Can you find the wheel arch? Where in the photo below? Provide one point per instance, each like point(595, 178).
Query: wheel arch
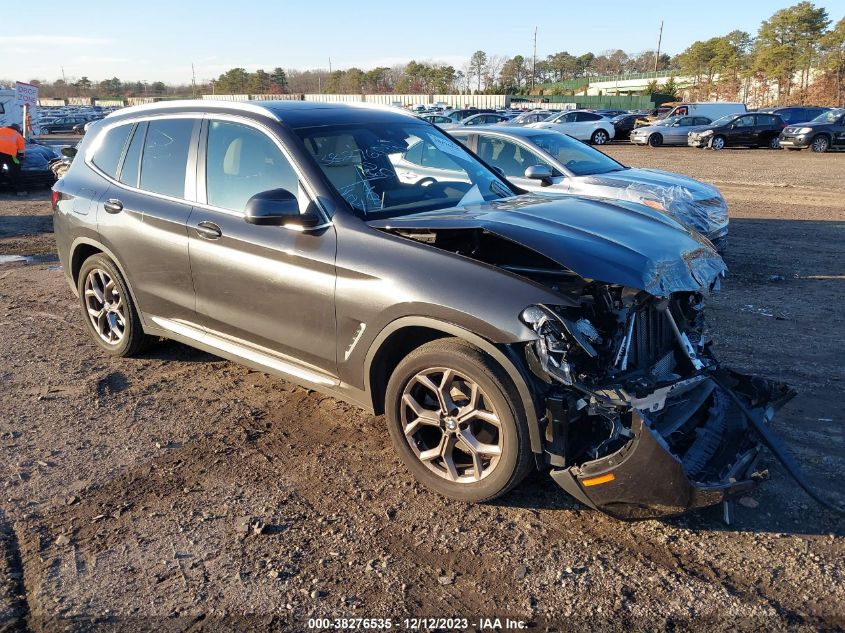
point(83, 248)
point(405, 334)
point(826, 135)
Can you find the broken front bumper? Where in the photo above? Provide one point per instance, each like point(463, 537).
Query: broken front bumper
point(645, 479)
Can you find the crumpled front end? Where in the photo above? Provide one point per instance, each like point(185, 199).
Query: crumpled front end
point(641, 422)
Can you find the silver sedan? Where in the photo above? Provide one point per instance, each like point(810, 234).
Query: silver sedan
point(671, 131)
point(548, 161)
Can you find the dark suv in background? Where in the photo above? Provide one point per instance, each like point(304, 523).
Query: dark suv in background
point(749, 130)
point(498, 331)
point(826, 131)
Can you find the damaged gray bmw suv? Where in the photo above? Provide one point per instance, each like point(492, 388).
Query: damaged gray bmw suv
point(363, 253)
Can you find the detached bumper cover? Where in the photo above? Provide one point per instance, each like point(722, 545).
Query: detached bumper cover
point(650, 481)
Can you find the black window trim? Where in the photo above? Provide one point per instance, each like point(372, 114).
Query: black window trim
point(136, 126)
point(190, 169)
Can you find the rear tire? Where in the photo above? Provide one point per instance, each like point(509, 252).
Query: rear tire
point(600, 137)
point(108, 310)
point(655, 140)
point(820, 144)
point(774, 142)
point(445, 398)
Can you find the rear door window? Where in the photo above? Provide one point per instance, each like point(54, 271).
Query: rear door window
point(511, 158)
point(107, 157)
point(165, 158)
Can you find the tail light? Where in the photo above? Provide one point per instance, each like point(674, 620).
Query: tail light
point(54, 199)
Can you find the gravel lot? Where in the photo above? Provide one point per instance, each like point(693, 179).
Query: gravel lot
point(178, 491)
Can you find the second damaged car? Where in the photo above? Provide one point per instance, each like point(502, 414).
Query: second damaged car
point(498, 331)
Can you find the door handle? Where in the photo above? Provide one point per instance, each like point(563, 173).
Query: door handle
point(209, 230)
point(113, 205)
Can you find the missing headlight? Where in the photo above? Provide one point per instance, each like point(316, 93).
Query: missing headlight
point(556, 335)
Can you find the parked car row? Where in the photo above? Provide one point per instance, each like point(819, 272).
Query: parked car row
point(769, 127)
point(68, 119)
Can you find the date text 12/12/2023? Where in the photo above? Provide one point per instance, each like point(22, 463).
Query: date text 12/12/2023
point(416, 624)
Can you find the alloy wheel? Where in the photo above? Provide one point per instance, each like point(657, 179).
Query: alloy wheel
point(717, 143)
point(820, 144)
point(600, 138)
point(774, 143)
point(106, 309)
point(450, 425)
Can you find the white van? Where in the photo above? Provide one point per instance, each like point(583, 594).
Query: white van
point(711, 109)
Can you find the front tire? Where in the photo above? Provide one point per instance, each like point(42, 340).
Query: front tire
point(717, 143)
point(600, 137)
point(109, 313)
point(655, 140)
point(456, 422)
point(820, 144)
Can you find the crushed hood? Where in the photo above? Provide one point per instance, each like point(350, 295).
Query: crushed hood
point(615, 242)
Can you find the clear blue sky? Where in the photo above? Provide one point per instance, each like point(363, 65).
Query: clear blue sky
point(154, 39)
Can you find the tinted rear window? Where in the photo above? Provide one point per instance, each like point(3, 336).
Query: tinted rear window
point(165, 157)
point(108, 156)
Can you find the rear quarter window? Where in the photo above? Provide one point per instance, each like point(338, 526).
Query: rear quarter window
point(107, 157)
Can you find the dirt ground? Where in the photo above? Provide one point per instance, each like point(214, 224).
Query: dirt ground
point(181, 492)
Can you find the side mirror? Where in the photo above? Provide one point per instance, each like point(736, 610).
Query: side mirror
point(542, 173)
point(277, 207)
point(70, 152)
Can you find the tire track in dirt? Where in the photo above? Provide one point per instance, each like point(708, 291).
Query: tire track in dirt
point(747, 589)
point(14, 607)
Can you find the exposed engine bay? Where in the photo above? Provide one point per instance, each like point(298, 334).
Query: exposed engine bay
point(637, 371)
